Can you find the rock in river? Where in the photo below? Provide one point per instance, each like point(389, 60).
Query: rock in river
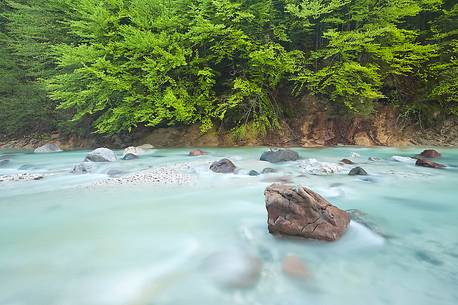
point(4, 162)
point(268, 170)
point(132, 152)
point(428, 163)
point(146, 146)
point(293, 267)
point(347, 161)
point(101, 155)
point(430, 153)
point(197, 152)
point(302, 212)
point(79, 169)
point(357, 171)
point(47, 148)
point(274, 156)
point(223, 166)
point(130, 156)
point(253, 173)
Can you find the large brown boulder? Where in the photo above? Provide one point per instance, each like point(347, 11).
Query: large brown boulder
point(430, 153)
point(428, 163)
point(302, 212)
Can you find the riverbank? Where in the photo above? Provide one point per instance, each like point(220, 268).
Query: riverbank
point(313, 126)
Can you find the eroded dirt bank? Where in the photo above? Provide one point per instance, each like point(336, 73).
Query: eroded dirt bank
point(312, 125)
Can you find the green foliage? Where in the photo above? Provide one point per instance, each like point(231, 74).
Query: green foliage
point(444, 72)
point(120, 64)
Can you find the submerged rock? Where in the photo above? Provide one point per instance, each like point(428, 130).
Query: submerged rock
point(197, 152)
point(268, 170)
point(253, 173)
point(223, 166)
point(374, 159)
point(47, 148)
point(281, 155)
point(357, 171)
point(430, 153)
point(4, 162)
point(79, 169)
point(347, 161)
point(362, 218)
point(314, 167)
point(293, 267)
point(428, 163)
point(101, 155)
point(130, 156)
point(233, 269)
point(302, 212)
point(114, 172)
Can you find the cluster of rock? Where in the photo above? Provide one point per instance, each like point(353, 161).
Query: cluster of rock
point(428, 153)
point(225, 166)
point(21, 177)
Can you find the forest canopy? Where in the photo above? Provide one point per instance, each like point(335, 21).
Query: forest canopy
point(120, 64)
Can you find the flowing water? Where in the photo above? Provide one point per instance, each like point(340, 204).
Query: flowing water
point(66, 240)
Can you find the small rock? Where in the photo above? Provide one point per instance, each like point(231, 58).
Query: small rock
point(101, 155)
point(428, 163)
point(223, 166)
point(26, 167)
point(347, 161)
point(48, 148)
point(234, 269)
point(357, 171)
point(281, 155)
point(4, 162)
point(132, 152)
point(374, 159)
point(130, 156)
point(197, 152)
point(253, 173)
point(114, 172)
point(268, 170)
point(80, 169)
point(146, 146)
point(293, 267)
point(302, 212)
point(430, 153)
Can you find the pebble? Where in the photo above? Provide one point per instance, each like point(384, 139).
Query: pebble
point(174, 174)
point(21, 177)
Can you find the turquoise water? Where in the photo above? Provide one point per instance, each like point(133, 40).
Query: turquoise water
point(65, 240)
